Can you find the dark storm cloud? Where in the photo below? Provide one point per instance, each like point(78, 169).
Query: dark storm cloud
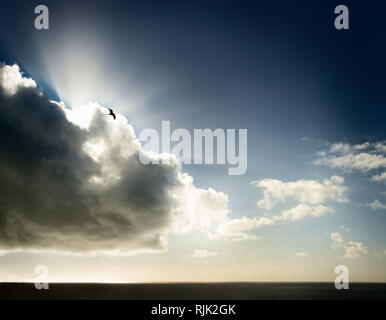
point(71, 181)
point(47, 200)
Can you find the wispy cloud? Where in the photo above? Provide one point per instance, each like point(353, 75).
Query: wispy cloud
point(302, 254)
point(376, 204)
point(236, 229)
point(203, 253)
point(352, 249)
point(311, 196)
point(367, 157)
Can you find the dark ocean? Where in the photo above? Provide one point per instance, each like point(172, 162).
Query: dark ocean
point(196, 291)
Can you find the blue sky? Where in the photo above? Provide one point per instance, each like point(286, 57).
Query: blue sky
point(279, 69)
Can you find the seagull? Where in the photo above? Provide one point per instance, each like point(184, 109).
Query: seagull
point(112, 113)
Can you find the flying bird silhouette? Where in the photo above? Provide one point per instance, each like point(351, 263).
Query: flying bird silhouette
point(112, 113)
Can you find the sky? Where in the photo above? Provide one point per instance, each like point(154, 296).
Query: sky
point(76, 199)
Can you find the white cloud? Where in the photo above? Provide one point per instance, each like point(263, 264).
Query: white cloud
point(207, 211)
point(379, 177)
point(337, 240)
point(366, 157)
point(236, 229)
point(11, 79)
point(311, 196)
point(380, 146)
point(302, 254)
point(202, 253)
point(355, 250)
point(304, 191)
point(376, 204)
point(303, 210)
point(352, 249)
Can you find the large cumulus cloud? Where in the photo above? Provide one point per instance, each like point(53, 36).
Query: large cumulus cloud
point(71, 181)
